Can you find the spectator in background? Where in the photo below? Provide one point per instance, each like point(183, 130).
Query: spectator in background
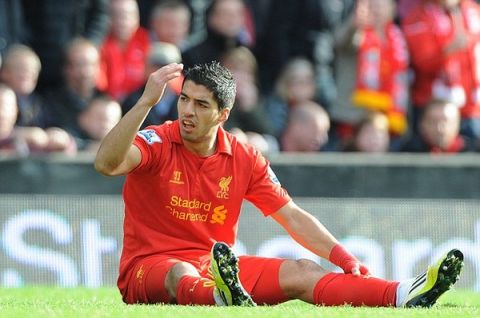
point(307, 129)
point(260, 12)
point(225, 30)
point(370, 135)
point(123, 54)
point(12, 24)
point(439, 131)
point(81, 70)
point(444, 40)
point(302, 28)
point(170, 23)
point(198, 24)
point(10, 142)
point(248, 118)
point(196, 8)
point(20, 72)
point(26, 140)
point(295, 85)
point(382, 64)
point(370, 43)
point(100, 116)
point(52, 24)
point(160, 55)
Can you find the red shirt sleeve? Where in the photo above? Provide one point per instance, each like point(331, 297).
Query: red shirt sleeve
point(264, 190)
point(151, 145)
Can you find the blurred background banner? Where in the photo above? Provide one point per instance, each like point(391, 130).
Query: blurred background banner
point(75, 240)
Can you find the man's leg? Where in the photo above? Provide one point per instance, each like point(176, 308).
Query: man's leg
point(163, 279)
point(185, 285)
point(147, 282)
point(273, 280)
point(259, 276)
point(306, 280)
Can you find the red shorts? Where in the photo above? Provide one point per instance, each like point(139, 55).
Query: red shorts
point(258, 275)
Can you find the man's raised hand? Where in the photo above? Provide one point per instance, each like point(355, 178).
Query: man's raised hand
point(157, 82)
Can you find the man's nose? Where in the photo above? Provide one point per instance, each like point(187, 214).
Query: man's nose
point(188, 108)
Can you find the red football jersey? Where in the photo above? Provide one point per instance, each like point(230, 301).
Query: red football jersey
point(179, 204)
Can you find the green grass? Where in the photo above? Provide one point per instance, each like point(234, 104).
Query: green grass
point(105, 302)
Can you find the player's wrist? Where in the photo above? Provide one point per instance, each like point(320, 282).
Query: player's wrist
point(340, 256)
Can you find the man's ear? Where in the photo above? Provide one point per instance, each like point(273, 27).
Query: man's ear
point(224, 114)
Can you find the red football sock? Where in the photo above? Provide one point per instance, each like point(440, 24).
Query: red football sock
point(338, 289)
point(193, 290)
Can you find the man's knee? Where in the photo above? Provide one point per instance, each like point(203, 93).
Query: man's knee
point(308, 269)
point(175, 274)
point(299, 277)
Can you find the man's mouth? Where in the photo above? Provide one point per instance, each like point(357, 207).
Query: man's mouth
point(187, 125)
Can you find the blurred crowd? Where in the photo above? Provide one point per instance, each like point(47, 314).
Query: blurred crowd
point(312, 75)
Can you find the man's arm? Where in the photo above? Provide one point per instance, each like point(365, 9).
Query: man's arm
point(117, 155)
point(311, 234)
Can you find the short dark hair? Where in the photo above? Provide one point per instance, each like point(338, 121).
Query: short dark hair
point(216, 78)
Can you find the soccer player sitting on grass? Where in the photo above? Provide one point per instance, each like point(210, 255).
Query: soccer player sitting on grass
point(185, 184)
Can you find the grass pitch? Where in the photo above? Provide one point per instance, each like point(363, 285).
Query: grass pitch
point(106, 302)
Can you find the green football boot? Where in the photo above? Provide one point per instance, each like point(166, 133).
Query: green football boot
point(438, 279)
point(224, 269)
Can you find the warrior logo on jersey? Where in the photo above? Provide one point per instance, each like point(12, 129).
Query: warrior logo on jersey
point(224, 184)
point(272, 176)
point(150, 136)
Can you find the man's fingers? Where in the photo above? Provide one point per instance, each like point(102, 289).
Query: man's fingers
point(360, 269)
point(173, 75)
point(169, 71)
point(173, 67)
point(364, 270)
point(356, 270)
point(160, 77)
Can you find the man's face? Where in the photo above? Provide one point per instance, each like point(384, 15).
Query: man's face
point(21, 74)
point(227, 17)
point(300, 86)
point(124, 19)
point(100, 118)
point(311, 134)
point(440, 125)
point(172, 26)
point(82, 67)
point(372, 138)
point(198, 113)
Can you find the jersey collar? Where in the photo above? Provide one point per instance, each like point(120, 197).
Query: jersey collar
point(223, 142)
